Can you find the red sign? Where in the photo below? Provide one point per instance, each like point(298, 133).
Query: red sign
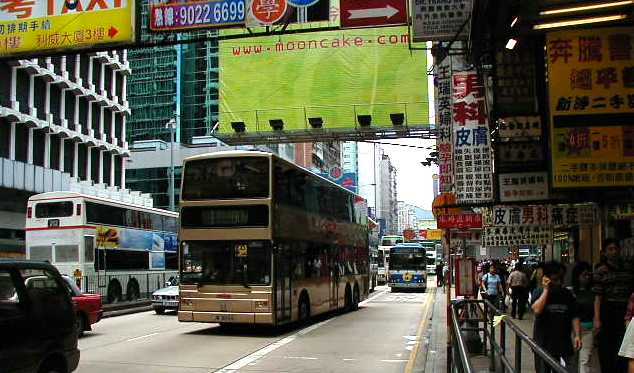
point(460, 221)
point(268, 12)
point(409, 234)
point(371, 13)
point(423, 233)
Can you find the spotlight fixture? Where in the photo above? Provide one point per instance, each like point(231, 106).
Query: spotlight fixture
point(397, 119)
point(239, 127)
point(276, 124)
point(316, 122)
point(364, 120)
point(511, 43)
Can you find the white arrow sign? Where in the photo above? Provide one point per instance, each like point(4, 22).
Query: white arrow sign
point(387, 12)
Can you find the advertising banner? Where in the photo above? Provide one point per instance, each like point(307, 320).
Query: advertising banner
point(442, 76)
point(472, 155)
point(348, 180)
point(331, 78)
point(60, 25)
point(435, 20)
point(541, 215)
point(525, 186)
point(135, 239)
point(591, 90)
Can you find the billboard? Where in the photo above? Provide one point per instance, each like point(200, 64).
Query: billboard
point(591, 91)
point(28, 27)
point(328, 80)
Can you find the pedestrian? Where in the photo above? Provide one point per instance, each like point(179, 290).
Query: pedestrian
point(627, 346)
point(536, 279)
point(439, 275)
point(582, 289)
point(556, 317)
point(518, 283)
point(491, 285)
point(613, 284)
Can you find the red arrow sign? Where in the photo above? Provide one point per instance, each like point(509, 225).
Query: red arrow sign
point(112, 32)
point(371, 13)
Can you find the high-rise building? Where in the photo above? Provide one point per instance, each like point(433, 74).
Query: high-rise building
point(387, 202)
point(174, 83)
point(318, 157)
point(407, 218)
point(435, 180)
point(62, 128)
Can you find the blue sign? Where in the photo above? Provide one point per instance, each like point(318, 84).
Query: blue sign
point(201, 14)
point(348, 180)
point(301, 3)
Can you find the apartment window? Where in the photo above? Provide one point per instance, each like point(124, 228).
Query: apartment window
point(40, 97)
point(5, 89)
point(69, 156)
point(82, 159)
point(38, 147)
point(54, 155)
point(69, 109)
point(107, 163)
point(5, 138)
point(107, 124)
point(94, 165)
point(117, 170)
point(95, 119)
point(84, 64)
point(21, 137)
point(54, 107)
point(83, 114)
point(22, 95)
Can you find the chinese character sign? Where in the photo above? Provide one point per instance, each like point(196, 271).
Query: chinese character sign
point(525, 186)
point(440, 20)
point(541, 215)
point(199, 14)
point(444, 146)
point(591, 73)
point(471, 140)
point(265, 12)
point(28, 26)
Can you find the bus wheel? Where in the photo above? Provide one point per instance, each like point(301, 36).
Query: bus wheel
point(304, 308)
point(132, 291)
point(114, 291)
point(355, 298)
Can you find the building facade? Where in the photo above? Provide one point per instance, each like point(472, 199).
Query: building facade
point(318, 157)
point(387, 202)
point(62, 127)
point(407, 218)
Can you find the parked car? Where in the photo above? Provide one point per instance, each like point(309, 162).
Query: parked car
point(37, 319)
point(88, 306)
point(166, 298)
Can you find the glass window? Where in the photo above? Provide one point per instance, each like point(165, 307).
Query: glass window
point(89, 249)
point(157, 221)
point(8, 294)
point(170, 224)
point(54, 209)
point(226, 178)
point(66, 253)
point(43, 253)
point(105, 214)
point(226, 262)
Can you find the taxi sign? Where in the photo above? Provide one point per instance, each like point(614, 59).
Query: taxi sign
point(59, 25)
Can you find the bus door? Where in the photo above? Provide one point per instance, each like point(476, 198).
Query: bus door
point(100, 266)
point(282, 284)
point(334, 281)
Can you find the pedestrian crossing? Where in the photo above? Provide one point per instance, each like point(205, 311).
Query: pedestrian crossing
point(389, 297)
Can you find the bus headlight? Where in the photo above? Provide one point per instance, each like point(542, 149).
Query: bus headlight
point(262, 305)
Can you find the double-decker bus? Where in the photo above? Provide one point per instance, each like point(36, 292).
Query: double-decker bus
point(121, 251)
point(432, 258)
point(264, 241)
point(373, 231)
point(408, 267)
point(384, 256)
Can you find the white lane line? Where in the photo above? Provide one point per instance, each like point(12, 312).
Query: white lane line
point(349, 359)
point(141, 337)
point(300, 357)
point(257, 355)
point(393, 361)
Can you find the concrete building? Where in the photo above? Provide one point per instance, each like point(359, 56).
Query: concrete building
point(407, 218)
point(387, 202)
point(318, 157)
point(62, 127)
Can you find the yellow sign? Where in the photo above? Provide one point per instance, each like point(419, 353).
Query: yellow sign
point(241, 251)
point(30, 26)
point(591, 92)
point(434, 234)
point(407, 276)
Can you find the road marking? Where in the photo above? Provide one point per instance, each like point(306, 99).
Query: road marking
point(141, 337)
point(257, 355)
point(300, 357)
point(393, 361)
point(349, 359)
point(421, 327)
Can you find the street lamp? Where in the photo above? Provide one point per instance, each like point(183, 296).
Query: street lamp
point(172, 127)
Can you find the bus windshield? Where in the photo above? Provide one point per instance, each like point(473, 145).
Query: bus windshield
point(408, 259)
point(226, 262)
point(226, 178)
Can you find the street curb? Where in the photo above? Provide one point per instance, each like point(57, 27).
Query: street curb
point(127, 311)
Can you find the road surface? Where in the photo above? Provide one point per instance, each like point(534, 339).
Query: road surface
point(382, 336)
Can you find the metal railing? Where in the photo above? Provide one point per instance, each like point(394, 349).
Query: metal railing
point(478, 316)
point(116, 287)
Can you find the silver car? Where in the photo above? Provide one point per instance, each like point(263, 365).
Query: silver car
point(166, 298)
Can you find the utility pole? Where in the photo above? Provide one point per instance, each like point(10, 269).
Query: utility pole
point(172, 127)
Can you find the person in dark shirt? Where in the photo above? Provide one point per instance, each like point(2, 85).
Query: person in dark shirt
point(613, 284)
point(582, 289)
point(439, 275)
point(556, 315)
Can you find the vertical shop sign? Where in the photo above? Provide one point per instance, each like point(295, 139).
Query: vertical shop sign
point(443, 120)
point(591, 90)
point(440, 20)
point(472, 156)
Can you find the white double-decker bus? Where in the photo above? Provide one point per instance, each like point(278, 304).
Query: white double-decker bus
point(121, 251)
point(387, 242)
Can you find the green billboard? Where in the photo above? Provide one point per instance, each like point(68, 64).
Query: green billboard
point(336, 80)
